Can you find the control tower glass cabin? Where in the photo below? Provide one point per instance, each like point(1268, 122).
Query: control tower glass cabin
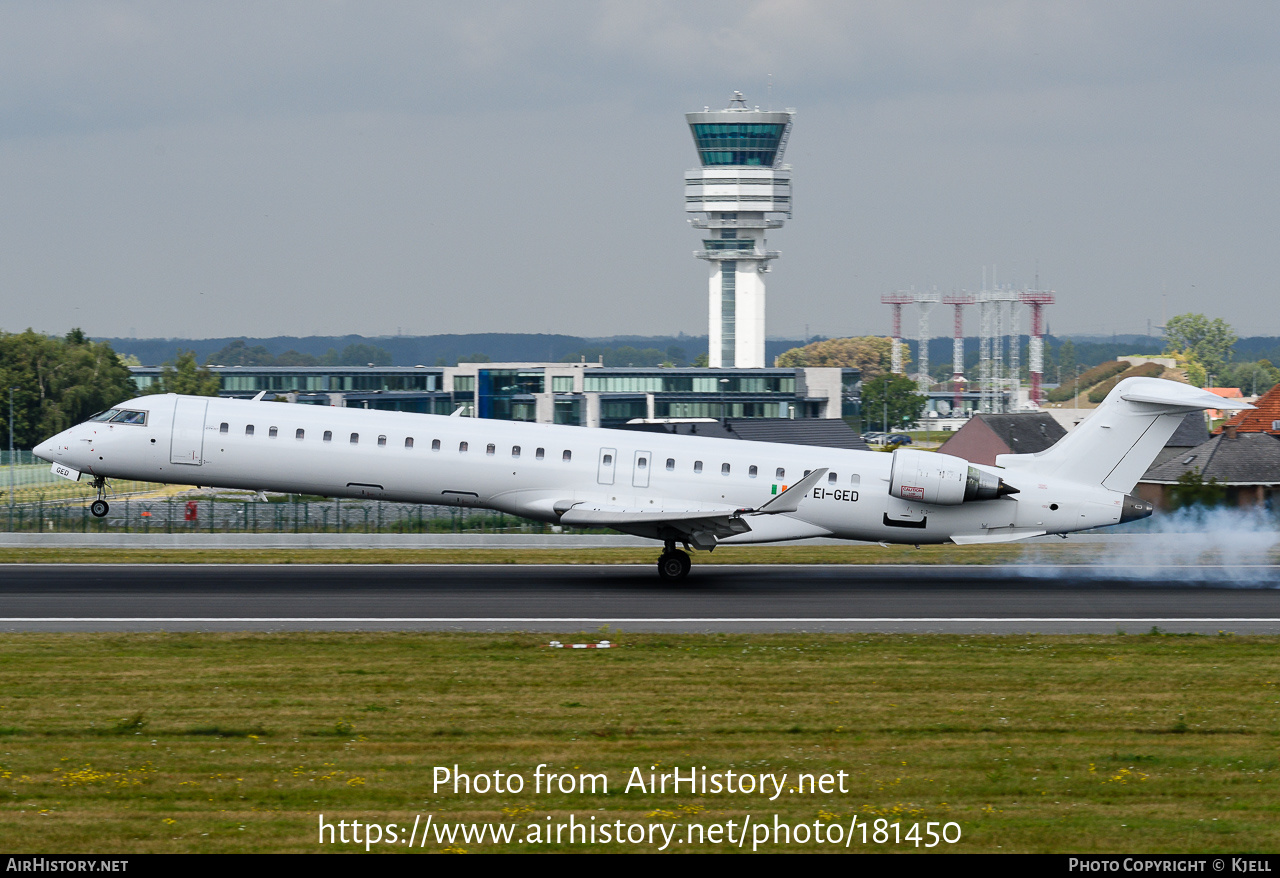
point(741, 190)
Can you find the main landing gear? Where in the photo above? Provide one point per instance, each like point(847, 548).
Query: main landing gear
point(674, 564)
point(100, 507)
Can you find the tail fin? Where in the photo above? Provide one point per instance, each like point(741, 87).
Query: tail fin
point(1115, 445)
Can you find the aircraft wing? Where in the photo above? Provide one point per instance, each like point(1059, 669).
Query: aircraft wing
point(1009, 536)
point(688, 519)
point(597, 515)
point(702, 526)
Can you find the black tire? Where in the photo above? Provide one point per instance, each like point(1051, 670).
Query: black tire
point(674, 566)
point(99, 508)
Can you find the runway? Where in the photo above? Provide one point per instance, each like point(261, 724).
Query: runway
point(566, 599)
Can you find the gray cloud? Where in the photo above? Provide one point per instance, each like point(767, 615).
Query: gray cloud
point(208, 169)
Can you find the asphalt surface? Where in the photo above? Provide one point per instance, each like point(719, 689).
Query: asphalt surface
point(566, 599)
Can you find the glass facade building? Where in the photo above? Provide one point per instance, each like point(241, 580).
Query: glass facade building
point(589, 395)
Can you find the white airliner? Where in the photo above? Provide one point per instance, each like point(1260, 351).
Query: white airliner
point(690, 490)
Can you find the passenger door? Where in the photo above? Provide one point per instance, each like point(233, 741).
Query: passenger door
point(186, 442)
point(640, 469)
point(608, 462)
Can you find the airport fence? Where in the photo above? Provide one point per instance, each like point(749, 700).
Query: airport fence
point(187, 514)
point(34, 499)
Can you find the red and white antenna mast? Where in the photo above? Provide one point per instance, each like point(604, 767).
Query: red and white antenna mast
point(1037, 299)
point(897, 300)
point(958, 301)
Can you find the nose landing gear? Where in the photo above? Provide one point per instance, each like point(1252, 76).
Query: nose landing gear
point(674, 564)
point(100, 507)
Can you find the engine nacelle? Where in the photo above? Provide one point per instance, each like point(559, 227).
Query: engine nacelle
point(941, 479)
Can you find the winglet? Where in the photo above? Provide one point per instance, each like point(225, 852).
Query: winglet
point(258, 398)
point(789, 500)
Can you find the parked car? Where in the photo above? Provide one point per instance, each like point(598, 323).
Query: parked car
point(897, 439)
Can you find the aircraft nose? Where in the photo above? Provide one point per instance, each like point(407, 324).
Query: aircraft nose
point(55, 447)
point(44, 450)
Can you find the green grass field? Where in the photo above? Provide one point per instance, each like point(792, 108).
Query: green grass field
point(237, 742)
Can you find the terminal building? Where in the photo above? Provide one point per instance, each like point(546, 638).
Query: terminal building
point(582, 394)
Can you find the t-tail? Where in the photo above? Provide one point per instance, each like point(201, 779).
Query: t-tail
point(1116, 444)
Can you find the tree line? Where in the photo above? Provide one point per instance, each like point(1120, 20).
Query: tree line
point(240, 353)
point(57, 382)
point(1203, 348)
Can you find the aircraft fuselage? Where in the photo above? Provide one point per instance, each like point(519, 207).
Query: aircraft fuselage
point(542, 472)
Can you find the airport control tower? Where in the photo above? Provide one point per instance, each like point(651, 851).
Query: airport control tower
point(742, 182)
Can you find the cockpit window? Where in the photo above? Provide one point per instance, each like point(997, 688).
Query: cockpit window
point(105, 416)
point(130, 417)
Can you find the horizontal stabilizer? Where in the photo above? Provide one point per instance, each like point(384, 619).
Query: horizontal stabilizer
point(1172, 393)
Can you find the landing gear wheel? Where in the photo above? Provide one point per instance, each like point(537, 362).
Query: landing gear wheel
point(99, 507)
point(674, 565)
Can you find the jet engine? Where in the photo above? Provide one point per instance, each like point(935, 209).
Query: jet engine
point(941, 479)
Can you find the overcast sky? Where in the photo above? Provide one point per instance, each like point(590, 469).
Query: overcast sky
point(209, 169)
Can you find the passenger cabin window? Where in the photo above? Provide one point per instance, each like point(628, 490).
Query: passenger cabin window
point(855, 479)
point(355, 438)
point(300, 434)
point(248, 429)
point(671, 464)
point(328, 435)
point(608, 460)
point(435, 444)
point(515, 450)
point(272, 432)
point(382, 441)
point(697, 466)
point(724, 469)
point(462, 447)
point(642, 463)
point(224, 427)
point(540, 454)
point(806, 473)
point(780, 474)
point(408, 442)
point(831, 478)
point(490, 449)
point(752, 471)
point(567, 456)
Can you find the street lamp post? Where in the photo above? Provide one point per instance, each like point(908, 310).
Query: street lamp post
point(724, 406)
point(12, 482)
point(1075, 397)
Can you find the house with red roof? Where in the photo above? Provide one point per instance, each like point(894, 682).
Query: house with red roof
point(1264, 417)
point(1225, 393)
point(1242, 457)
